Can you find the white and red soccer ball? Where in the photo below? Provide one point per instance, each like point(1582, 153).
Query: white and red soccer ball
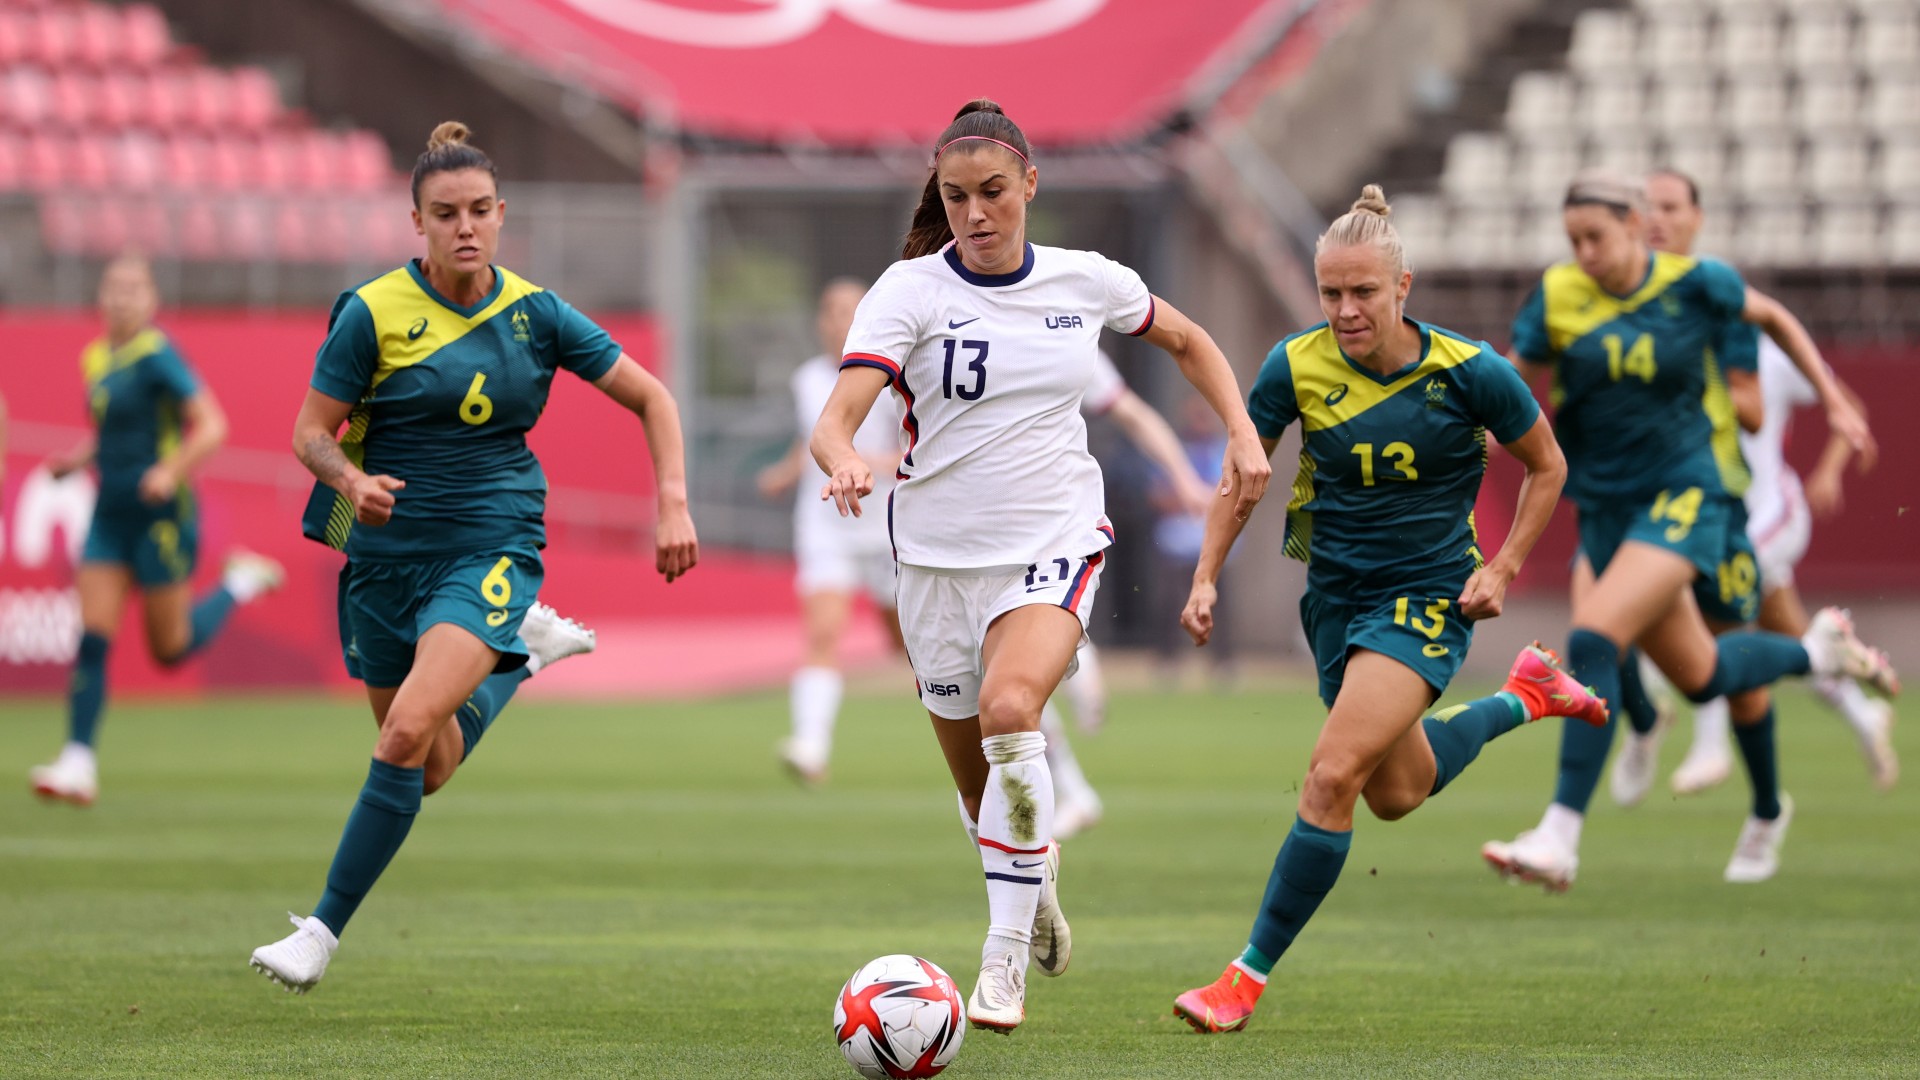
point(899, 1016)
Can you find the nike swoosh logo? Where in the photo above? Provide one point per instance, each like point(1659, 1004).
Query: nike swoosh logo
point(951, 325)
point(1028, 865)
point(1037, 588)
point(1046, 962)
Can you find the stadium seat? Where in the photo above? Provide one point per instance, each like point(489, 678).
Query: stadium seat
point(1901, 245)
point(1848, 234)
point(188, 164)
point(1828, 102)
point(1546, 166)
point(118, 103)
point(145, 40)
point(75, 93)
point(164, 100)
point(63, 223)
point(1421, 221)
point(1747, 41)
point(1703, 158)
point(1540, 239)
point(139, 164)
point(1839, 167)
point(1604, 42)
point(232, 164)
point(1889, 40)
point(208, 99)
point(1675, 39)
point(13, 167)
point(1897, 172)
point(255, 99)
point(1477, 167)
point(1756, 102)
point(50, 37)
point(1540, 101)
point(246, 229)
point(1684, 105)
point(1482, 237)
point(90, 164)
point(319, 154)
point(1893, 104)
point(197, 230)
point(13, 38)
point(295, 225)
point(1626, 152)
point(26, 97)
point(1820, 38)
point(45, 159)
point(365, 164)
point(1611, 104)
point(97, 37)
point(1766, 166)
point(109, 229)
point(1774, 235)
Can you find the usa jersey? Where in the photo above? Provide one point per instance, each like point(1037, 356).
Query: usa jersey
point(1776, 487)
point(817, 524)
point(1104, 389)
point(990, 371)
point(135, 395)
point(444, 396)
point(1390, 465)
point(1638, 382)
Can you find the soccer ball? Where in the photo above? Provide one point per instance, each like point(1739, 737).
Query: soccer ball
point(899, 1016)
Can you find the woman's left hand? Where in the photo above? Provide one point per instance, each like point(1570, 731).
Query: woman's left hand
point(1486, 593)
point(158, 484)
point(1846, 422)
point(675, 547)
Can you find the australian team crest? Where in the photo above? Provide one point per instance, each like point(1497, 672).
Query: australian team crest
point(522, 327)
point(1436, 393)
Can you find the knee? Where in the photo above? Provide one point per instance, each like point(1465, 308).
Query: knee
point(405, 739)
point(168, 655)
point(1333, 782)
point(1749, 708)
point(1010, 708)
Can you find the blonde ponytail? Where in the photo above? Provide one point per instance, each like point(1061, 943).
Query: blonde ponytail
point(1368, 222)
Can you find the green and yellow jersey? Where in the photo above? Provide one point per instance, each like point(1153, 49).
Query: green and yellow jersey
point(1640, 396)
point(443, 397)
point(136, 395)
point(1390, 465)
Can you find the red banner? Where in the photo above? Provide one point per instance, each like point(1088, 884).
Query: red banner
point(865, 72)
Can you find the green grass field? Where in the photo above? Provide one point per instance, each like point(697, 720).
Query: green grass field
point(635, 890)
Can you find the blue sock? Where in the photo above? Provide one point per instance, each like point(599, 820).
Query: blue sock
point(375, 830)
point(1633, 694)
point(209, 615)
point(491, 696)
point(1305, 870)
point(1751, 659)
point(87, 692)
point(1763, 764)
point(1583, 748)
point(1457, 734)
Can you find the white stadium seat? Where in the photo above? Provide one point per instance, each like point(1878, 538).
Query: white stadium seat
point(1682, 105)
point(1626, 152)
point(1747, 41)
point(1421, 221)
point(1675, 41)
point(1889, 39)
point(1481, 238)
point(1545, 166)
point(1897, 173)
point(1848, 234)
point(1756, 101)
point(1540, 101)
point(1477, 169)
point(1704, 159)
point(1820, 38)
point(1612, 103)
point(1828, 102)
point(1839, 167)
point(1766, 166)
point(1604, 41)
point(1893, 104)
point(1901, 245)
point(1773, 236)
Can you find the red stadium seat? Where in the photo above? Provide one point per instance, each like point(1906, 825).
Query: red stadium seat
point(75, 98)
point(118, 103)
point(247, 232)
point(365, 164)
point(207, 101)
point(331, 232)
point(51, 35)
point(139, 164)
point(97, 37)
point(255, 99)
point(145, 41)
point(109, 229)
point(163, 100)
point(13, 166)
point(90, 167)
point(47, 157)
point(294, 230)
point(319, 161)
point(149, 226)
point(63, 223)
point(197, 232)
point(13, 38)
point(26, 97)
point(188, 164)
point(232, 164)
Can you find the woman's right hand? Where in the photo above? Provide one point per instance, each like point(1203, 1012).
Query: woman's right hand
point(1197, 618)
point(850, 480)
point(372, 498)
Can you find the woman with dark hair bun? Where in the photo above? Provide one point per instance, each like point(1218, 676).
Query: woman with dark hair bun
point(997, 515)
point(437, 371)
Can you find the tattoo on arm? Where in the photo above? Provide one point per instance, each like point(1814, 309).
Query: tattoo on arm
point(324, 459)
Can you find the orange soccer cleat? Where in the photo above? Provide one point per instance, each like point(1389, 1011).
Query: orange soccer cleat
point(1226, 1004)
point(1546, 689)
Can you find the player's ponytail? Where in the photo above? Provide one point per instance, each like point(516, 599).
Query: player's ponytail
point(1367, 223)
point(448, 151)
point(981, 122)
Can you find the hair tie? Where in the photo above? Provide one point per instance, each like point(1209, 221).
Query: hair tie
point(983, 138)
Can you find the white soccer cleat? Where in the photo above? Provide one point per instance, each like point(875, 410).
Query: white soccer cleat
point(1633, 769)
point(298, 960)
point(1757, 856)
point(999, 1000)
point(1836, 651)
point(1075, 815)
point(551, 637)
point(1052, 938)
point(1701, 770)
point(72, 777)
point(1876, 742)
point(1533, 857)
point(249, 575)
point(805, 762)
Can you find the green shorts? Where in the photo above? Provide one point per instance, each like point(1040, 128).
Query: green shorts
point(1731, 594)
point(1685, 521)
point(160, 544)
point(1422, 632)
point(386, 606)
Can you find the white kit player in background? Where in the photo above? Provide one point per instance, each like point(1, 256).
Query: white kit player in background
point(1780, 513)
point(998, 515)
point(836, 557)
point(1077, 806)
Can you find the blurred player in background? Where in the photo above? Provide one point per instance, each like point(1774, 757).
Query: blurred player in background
point(1779, 513)
point(836, 557)
point(154, 423)
point(998, 512)
point(1394, 416)
point(440, 506)
point(1629, 335)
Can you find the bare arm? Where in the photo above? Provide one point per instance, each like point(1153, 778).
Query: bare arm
point(1223, 528)
point(1781, 325)
point(315, 444)
point(1150, 433)
point(1245, 470)
point(676, 548)
point(1825, 485)
point(206, 425)
point(776, 479)
point(1486, 591)
point(75, 459)
point(848, 474)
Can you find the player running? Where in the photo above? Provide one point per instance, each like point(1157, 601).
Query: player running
point(989, 342)
point(1629, 334)
point(1779, 522)
point(1394, 416)
point(438, 370)
point(155, 422)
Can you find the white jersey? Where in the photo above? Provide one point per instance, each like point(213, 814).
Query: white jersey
point(991, 371)
point(1776, 487)
point(817, 525)
point(1104, 389)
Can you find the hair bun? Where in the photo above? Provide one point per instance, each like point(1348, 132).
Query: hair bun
point(448, 133)
point(1372, 200)
point(980, 105)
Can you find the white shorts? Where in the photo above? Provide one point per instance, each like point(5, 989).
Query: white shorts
point(1782, 543)
point(831, 570)
point(944, 615)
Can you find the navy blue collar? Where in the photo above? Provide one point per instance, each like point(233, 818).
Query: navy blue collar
point(989, 280)
point(420, 279)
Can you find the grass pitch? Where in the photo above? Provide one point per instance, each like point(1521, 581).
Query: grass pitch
point(636, 890)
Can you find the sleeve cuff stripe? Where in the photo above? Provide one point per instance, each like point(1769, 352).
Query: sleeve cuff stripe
point(871, 360)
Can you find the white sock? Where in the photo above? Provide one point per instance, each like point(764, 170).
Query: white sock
point(1563, 823)
point(242, 586)
point(1241, 966)
point(1712, 730)
point(1087, 690)
point(1847, 699)
point(77, 753)
point(815, 699)
point(1016, 827)
point(1069, 783)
